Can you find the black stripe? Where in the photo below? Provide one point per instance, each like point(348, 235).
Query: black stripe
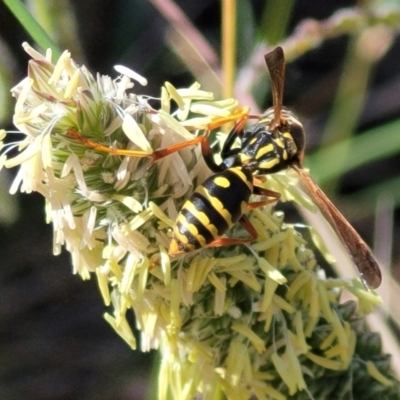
point(185, 232)
point(192, 219)
point(232, 196)
point(204, 204)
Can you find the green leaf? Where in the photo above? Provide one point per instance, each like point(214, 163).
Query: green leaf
point(31, 26)
point(372, 145)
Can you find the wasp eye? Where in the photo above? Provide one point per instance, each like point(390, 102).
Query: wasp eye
point(298, 135)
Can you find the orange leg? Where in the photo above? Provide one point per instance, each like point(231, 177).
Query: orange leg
point(241, 114)
point(258, 204)
point(176, 147)
point(263, 192)
point(259, 179)
point(156, 155)
point(245, 222)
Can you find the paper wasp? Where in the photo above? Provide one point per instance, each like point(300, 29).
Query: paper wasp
point(274, 143)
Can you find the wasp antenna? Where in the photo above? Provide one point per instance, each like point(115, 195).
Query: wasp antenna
point(275, 61)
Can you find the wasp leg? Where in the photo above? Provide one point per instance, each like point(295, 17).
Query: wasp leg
point(275, 196)
point(245, 222)
point(115, 152)
point(208, 156)
point(241, 116)
point(156, 155)
point(240, 113)
point(236, 131)
point(259, 179)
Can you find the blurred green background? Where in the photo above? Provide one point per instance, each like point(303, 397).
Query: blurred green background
point(342, 79)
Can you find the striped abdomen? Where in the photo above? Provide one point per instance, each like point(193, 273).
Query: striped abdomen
point(214, 207)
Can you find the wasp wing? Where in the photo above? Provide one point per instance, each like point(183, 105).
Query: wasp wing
point(359, 251)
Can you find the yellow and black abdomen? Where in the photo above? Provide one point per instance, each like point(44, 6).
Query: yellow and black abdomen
point(214, 207)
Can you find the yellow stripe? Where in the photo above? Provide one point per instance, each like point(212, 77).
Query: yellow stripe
point(204, 220)
point(280, 143)
point(181, 219)
point(287, 135)
point(264, 150)
point(244, 158)
point(181, 238)
point(269, 164)
point(221, 181)
point(242, 177)
point(218, 206)
point(191, 228)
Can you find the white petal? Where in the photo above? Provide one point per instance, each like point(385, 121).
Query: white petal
point(32, 52)
point(195, 94)
point(131, 74)
point(72, 86)
point(3, 158)
point(113, 126)
point(129, 202)
point(134, 242)
point(47, 152)
point(172, 123)
point(49, 55)
point(198, 122)
point(22, 95)
point(28, 153)
point(73, 163)
point(173, 92)
point(59, 67)
point(17, 180)
point(90, 219)
point(206, 109)
point(135, 134)
point(165, 100)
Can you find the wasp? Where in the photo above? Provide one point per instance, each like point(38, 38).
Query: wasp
point(271, 145)
point(276, 142)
